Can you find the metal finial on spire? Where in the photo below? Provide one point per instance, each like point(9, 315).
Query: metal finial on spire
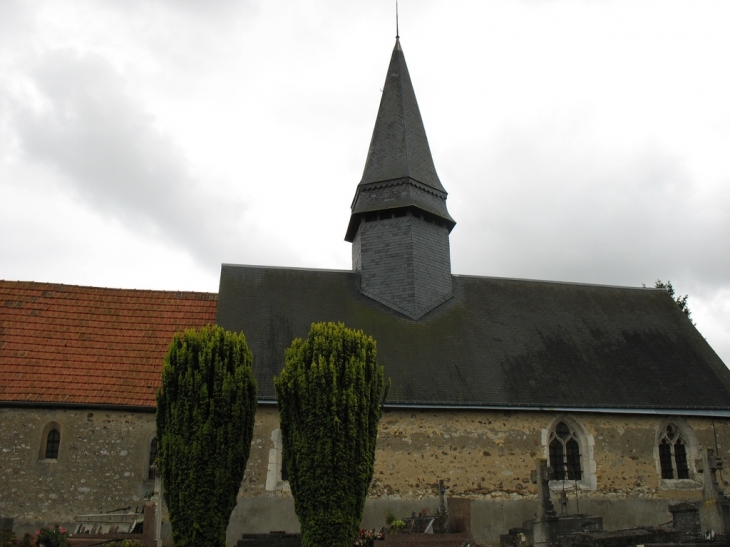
point(397, 33)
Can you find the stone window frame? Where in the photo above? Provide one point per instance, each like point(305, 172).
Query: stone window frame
point(50, 426)
point(694, 482)
point(142, 457)
point(588, 480)
point(567, 443)
point(273, 474)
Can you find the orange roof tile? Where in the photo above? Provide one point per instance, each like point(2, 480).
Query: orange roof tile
point(88, 345)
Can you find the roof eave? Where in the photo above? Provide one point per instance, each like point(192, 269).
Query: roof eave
point(77, 406)
point(702, 412)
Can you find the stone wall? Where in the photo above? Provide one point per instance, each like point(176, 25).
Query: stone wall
point(488, 456)
point(102, 464)
point(483, 455)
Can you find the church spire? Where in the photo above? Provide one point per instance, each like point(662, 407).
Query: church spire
point(399, 147)
point(399, 151)
point(399, 226)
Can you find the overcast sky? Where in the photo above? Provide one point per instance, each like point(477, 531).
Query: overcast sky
point(143, 143)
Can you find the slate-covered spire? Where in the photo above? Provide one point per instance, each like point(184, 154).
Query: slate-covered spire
point(399, 147)
point(399, 153)
point(399, 225)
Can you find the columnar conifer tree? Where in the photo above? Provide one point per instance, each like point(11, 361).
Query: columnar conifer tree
point(205, 417)
point(329, 396)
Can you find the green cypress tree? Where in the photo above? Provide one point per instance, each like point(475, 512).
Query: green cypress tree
point(205, 416)
point(329, 396)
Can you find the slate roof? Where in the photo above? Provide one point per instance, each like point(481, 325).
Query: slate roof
point(92, 346)
point(399, 147)
point(496, 343)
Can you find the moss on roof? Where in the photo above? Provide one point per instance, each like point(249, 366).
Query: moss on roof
point(497, 342)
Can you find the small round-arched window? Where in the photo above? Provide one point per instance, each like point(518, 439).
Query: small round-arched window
point(53, 443)
point(565, 453)
point(673, 453)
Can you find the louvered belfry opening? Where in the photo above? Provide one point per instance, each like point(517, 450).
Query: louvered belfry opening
point(399, 226)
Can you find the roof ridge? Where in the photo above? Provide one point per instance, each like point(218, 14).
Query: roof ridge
point(296, 268)
point(554, 282)
point(38, 284)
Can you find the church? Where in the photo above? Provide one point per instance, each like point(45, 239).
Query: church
point(613, 385)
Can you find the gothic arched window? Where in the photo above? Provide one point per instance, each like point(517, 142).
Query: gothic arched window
point(564, 450)
point(673, 453)
point(153, 457)
point(53, 443)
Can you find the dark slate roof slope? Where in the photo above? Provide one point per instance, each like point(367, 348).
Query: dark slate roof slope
point(498, 342)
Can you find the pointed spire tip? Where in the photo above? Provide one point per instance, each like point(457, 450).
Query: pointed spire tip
point(397, 32)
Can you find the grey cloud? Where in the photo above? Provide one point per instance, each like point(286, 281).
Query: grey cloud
point(218, 11)
point(105, 147)
point(15, 18)
point(590, 215)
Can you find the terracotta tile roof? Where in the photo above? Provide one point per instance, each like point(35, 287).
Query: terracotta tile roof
point(88, 345)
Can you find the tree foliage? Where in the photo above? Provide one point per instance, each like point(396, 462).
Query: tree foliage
point(329, 396)
point(681, 301)
point(205, 417)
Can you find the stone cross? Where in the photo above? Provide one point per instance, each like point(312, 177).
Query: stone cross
point(714, 509)
point(542, 476)
point(709, 465)
point(442, 501)
point(157, 498)
point(563, 503)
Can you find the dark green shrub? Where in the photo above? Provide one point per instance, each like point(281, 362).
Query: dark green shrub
point(7, 538)
point(54, 536)
point(329, 396)
point(205, 417)
point(124, 543)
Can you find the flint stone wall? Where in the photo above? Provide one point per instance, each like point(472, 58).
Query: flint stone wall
point(101, 466)
point(483, 455)
point(488, 456)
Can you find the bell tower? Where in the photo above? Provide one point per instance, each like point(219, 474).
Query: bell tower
point(399, 225)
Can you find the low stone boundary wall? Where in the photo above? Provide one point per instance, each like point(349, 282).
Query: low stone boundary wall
point(87, 540)
point(427, 540)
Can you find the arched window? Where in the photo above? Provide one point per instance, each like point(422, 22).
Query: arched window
point(673, 453)
point(153, 457)
point(53, 443)
point(565, 453)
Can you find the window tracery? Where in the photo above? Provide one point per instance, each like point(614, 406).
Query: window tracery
point(673, 453)
point(564, 450)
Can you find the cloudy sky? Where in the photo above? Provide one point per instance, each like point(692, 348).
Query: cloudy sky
point(143, 143)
